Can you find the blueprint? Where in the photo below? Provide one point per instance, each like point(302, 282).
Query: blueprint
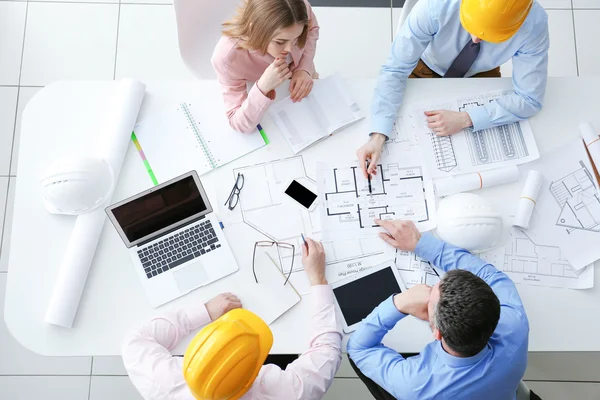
point(568, 208)
point(349, 209)
point(469, 150)
point(275, 217)
point(529, 261)
point(415, 270)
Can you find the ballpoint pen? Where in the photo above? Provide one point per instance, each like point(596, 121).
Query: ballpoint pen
point(369, 178)
point(304, 240)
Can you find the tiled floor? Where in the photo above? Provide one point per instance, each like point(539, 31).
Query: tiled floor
point(43, 41)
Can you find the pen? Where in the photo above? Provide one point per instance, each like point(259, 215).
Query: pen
point(369, 178)
point(304, 240)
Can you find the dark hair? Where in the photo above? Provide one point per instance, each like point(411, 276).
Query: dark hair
point(467, 313)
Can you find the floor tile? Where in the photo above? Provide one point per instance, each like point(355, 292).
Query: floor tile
point(8, 214)
point(69, 41)
point(559, 366)
point(565, 390)
point(12, 30)
point(16, 360)
point(562, 60)
point(555, 4)
point(80, 1)
point(113, 388)
point(595, 4)
point(25, 94)
point(148, 48)
point(44, 387)
point(345, 370)
point(347, 388)
point(146, 1)
point(3, 200)
point(345, 48)
point(8, 108)
point(108, 366)
point(587, 30)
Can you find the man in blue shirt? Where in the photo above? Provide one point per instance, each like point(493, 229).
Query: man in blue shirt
point(463, 38)
point(477, 319)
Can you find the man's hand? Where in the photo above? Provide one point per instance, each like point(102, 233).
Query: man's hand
point(313, 259)
point(445, 123)
point(402, 235)
point(414, 301)
point(301, 85)
point(222, 304)
point(371, 151)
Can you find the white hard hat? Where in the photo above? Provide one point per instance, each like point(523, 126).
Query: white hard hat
point(76, 185)
point(469, 221)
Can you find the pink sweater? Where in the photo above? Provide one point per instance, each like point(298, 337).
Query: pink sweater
point(236, 66)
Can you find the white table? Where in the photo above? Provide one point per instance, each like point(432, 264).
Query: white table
point(113, 301)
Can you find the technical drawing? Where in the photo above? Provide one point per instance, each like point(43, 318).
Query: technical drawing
point(500, 143)
point(415, 270)
point(530, 262)
point(396, 193)
point(577, 196)
point(443, 152)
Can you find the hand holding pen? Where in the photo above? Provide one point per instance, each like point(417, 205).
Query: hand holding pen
point(313, 259)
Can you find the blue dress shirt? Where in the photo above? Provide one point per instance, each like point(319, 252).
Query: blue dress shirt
point(433, 32)
point(493, 373)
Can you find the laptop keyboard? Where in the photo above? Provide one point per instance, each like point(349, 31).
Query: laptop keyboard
point(178, 248)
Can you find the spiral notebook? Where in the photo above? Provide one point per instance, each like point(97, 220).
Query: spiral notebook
point(191, 136)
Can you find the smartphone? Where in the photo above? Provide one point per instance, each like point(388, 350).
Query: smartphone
point(301, 195)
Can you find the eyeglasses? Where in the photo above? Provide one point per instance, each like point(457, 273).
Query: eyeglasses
point(234, 196)
point(280, 246)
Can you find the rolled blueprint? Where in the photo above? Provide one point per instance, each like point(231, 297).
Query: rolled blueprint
point(592, 142)
point(112, 147)
point(529, 197)
point(477, 180)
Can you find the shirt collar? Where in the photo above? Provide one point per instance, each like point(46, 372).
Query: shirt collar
point(453, 361)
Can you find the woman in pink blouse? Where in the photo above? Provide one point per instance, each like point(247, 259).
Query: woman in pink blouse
point(267, 42)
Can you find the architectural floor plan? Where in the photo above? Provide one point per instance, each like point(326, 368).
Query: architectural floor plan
point(469, 150)
point(348, 206)
point(531, 262)
point(415, 270)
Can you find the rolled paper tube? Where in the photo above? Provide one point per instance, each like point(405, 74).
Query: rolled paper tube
point(477, 180)
point(528, 200)
point(77, 261)
point(592, 142)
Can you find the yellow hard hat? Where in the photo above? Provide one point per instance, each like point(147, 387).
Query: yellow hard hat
point(224, 358)
point(494, 20)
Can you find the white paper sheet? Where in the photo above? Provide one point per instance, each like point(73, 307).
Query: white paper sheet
point(477, 180)
point(471, 151)
point(112, 146)
point(531, 262)
point(529, 198)
point(568, 208)
point(328, 108)
point(591, 137)
point(414, 270)
point(192, 136)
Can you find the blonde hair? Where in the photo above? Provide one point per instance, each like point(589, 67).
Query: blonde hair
point(257, 21)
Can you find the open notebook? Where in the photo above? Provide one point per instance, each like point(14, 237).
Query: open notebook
point(328, 108)
point(269, 298)
point(191, 136)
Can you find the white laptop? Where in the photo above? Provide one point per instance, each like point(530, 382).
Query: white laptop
point(174, 239)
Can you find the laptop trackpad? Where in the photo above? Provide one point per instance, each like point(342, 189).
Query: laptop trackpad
point(190, 277)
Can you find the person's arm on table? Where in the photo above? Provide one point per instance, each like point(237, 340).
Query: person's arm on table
point(147, 352)
point(302, 78)
point(312, 373)
point(530, 73)
point(407, 48)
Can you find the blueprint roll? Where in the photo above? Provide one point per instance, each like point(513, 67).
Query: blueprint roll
point(529, 197)
point(476, 180)
point(592, 142)
point(111, 146)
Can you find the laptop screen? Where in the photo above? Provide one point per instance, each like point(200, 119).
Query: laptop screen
point(159, 209)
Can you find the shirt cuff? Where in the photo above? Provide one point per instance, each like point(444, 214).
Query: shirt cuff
point(480, 118)
point(258, 99)
point(322, 295)
point(389, 314)
point(198, 317)
point(428, 247)
point(381, 125)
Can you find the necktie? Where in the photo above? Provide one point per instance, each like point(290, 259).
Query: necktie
point(464, 60)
